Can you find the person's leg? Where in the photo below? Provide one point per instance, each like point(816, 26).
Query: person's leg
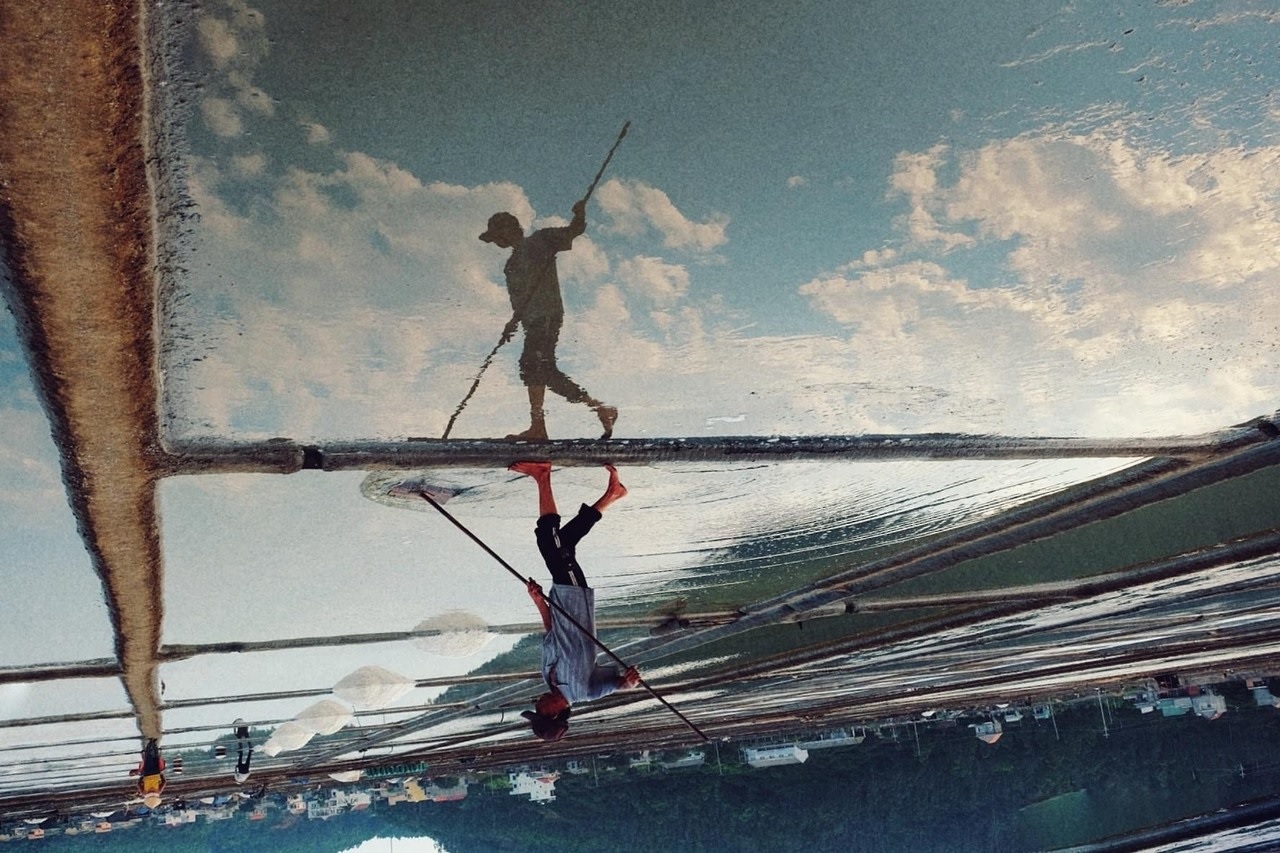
point(547, 530)
point(537, 353)
point(540, 473)
point(538, 368)
point(612, 492)
point(573, 532)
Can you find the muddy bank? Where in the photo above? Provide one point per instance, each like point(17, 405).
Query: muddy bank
point(75, 221)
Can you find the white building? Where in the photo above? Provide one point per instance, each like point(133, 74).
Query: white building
point(692, 758)
point(539, 785)
point(1211, 706)
point(773, 756)
point(988, 732)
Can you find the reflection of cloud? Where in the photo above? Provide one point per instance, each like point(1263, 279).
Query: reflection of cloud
point(221, 117)
point(654, 278)
point(30, 479)
point(233, 36)
point(316, 133)
point(249, 165)
point(1054, 51)
point(914, 175)
point(636, 207)
point(1127, 264)
point(366, 283)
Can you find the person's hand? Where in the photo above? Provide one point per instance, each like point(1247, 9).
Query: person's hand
point(509, 330)
point(534, 590)
point(630, 678)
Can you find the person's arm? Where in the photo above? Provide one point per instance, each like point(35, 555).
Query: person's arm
point(579, 222)
point(606, 679)
point(540, 602)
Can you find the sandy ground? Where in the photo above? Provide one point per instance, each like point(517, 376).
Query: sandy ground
point(76, 223)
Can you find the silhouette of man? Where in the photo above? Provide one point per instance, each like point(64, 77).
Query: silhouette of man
point(568, 654)
point(534, 289)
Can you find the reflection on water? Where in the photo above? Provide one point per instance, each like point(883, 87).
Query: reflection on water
point(999, 218)
point(1068, 231)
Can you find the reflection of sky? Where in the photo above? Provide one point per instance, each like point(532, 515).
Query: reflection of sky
point(991, 217)
point(257, 557)
point(47, 574)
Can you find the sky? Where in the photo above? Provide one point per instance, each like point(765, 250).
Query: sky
point(1042, 218)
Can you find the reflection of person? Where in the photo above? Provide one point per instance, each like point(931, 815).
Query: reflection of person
point(150, 773)
point(568, 654)
point(244, 751)
point(534, 289)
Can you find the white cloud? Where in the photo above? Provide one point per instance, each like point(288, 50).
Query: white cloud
point(232, 35)
point(217, 40)
point(796, 181)
point(221, 117)
point(635, 207)
point(316, 133)
point(914, 176)
point(1137, 278)
point(654, 278)
point(249, 165)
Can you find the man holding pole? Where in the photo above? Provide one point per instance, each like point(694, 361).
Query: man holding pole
point(534, 289)
point(568, 649)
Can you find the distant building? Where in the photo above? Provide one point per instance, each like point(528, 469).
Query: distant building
point(692, 758)
point(835, 737)
point(1209, 705)
point(1262, 693)
point(451, 794)
point(774, 756)
point(1174, 706)
point(337, 802)
point(988, 732)
point(540, 785)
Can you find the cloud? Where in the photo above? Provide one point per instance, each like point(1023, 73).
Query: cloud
point(654, 278)
point(232, 36)
point(635, 207)
point(316, 133)
point(796, 181)
point(1056, 50)
point(915, 176)
point(221, 117)
point(31, 491)
point(1130, 282)
point(249, 165)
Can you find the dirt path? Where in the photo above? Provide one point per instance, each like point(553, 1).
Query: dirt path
point(76, 224)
